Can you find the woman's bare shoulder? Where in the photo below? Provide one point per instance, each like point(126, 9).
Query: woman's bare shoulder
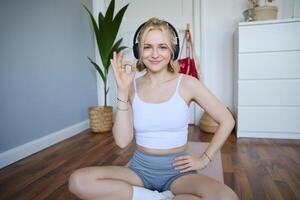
point(190, 82)
point(185, 88)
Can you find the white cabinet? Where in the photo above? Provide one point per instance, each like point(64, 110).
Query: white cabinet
point(267, 79)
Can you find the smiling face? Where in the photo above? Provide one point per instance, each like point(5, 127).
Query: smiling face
point(155, 51)
point(156, 43)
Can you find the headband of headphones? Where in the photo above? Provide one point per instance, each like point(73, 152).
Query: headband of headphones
point(136, 46)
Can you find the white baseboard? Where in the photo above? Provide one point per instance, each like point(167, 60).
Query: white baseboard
point(10, 156)
point(268, 135)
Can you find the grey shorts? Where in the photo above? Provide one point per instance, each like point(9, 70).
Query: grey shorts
point(156, 171)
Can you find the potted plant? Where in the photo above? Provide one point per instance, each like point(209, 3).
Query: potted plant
point(257, 12)
point(266, 12)
point(105, 32)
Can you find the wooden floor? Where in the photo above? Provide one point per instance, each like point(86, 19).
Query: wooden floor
point(255, 168)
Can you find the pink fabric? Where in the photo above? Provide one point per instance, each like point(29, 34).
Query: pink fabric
point(214, 169)
point(188, 66)
point(187, 62)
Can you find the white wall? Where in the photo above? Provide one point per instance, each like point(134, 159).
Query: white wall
point(219, 21)
point(46, 81)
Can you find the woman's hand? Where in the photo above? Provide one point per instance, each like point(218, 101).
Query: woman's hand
point(123, 78)
point(188, 163)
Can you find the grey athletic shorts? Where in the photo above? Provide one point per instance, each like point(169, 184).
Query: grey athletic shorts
point(156, 171)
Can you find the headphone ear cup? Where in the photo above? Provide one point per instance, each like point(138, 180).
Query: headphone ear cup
point(135, 49)
point(176, 52)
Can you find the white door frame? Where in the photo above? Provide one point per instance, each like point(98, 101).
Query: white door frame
point(98, 6)
point(198, 14)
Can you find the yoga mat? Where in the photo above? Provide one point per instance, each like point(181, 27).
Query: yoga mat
point(214, 169)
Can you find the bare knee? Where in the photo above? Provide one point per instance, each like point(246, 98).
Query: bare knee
point(219, 192)
point(78, 183)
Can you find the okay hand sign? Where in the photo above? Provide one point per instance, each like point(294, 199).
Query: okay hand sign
point(123, 78)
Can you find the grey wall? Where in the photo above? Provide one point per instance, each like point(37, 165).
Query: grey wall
point(46, 81)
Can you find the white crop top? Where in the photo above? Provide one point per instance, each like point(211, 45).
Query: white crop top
point(161, 125)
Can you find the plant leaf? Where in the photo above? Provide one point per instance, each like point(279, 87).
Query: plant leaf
point(99, 40)
point(98, 69)
point(106, 33)
point(100, 20)
point(117, 44)
point(110, 56)
point(110, 11)
point(112, 27)
point(117, 21)
point(115, 48)
point(121, 48)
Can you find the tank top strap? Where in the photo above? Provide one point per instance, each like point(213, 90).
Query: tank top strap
point(178, 82)
point(134, 85)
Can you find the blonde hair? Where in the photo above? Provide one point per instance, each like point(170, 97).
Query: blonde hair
point(163, 26)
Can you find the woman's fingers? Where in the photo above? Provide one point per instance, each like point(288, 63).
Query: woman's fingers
point(126, 65)
point(115, 63)
point(133, 70)
point(182, 167)
point(181, 158)
point(120, 66)
point(134, 67)
point(113, 66)
point(182, 163)
point(115, 57)
point(178, 163)
point(120, 60)
point(186, 170)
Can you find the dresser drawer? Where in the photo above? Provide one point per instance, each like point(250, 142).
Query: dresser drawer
point(269, 119)
point(269, 92)
point(269, 65)
point(269, 37)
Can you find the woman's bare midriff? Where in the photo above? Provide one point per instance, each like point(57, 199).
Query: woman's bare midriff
point(161, 151)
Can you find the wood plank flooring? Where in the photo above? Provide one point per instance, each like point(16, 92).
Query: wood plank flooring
point(265, 169)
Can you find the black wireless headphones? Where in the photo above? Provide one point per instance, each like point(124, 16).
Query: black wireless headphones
point(136, 45)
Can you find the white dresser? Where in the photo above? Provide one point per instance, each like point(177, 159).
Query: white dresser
point(267, 79)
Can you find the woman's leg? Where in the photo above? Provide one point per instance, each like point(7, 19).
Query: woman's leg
point(186, 197)
point(105, 182)
point(202, 187)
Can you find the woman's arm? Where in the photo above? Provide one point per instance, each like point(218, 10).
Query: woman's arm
point(210, 103)
point(123, 126)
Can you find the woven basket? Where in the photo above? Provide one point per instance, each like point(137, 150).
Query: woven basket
point(265, 13)
point(208, 124)
point(101, 118)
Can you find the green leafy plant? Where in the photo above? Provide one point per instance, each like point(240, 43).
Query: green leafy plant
point(106, 32)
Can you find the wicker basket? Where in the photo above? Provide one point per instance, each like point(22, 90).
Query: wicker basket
point(265, 13)
point(208, 124)
point(101, 118)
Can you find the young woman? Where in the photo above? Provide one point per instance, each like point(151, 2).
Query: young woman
point(154, 110)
